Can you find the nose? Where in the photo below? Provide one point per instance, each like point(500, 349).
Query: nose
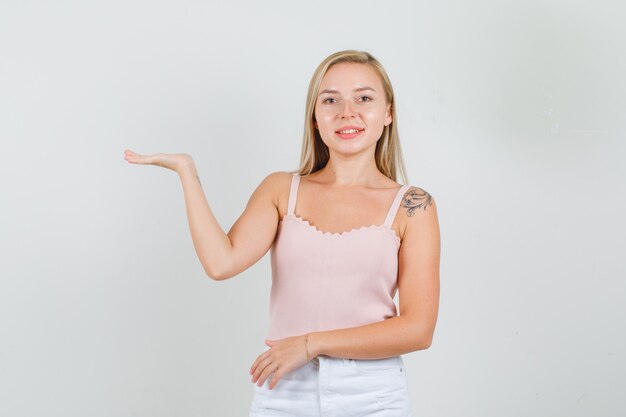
point(347, 109)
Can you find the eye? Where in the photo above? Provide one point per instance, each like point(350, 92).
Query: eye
point(367, 97)
point(324, 101)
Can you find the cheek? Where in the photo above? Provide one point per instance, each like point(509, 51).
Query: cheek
point(374, 115)
point(324, 120)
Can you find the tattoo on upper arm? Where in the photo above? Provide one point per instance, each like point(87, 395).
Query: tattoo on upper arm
point(416, 198)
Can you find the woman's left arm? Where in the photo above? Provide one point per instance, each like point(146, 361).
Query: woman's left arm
point(418, 289)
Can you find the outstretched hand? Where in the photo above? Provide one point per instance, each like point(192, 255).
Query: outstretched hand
point(165, 160)
point(284, 356)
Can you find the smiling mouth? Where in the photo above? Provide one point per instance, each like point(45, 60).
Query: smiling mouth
point(349, 135)
point(349, 131)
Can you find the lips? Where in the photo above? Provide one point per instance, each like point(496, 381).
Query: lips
point(349, 128)
point(349, 135)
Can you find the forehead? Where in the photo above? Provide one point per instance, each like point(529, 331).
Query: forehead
point(346, 76)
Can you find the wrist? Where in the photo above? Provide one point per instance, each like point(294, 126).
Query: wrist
point(313, 344)
point(186, 167)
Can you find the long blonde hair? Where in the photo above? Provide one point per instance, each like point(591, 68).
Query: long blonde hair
point(315, 155)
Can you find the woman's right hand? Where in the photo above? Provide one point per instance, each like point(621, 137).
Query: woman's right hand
point(173, 161)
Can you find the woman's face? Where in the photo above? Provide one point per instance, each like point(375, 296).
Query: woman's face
point(351, 94)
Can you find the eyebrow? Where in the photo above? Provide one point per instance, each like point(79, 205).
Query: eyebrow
point(355, 90)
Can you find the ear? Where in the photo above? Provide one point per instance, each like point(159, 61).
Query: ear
point(388, 117)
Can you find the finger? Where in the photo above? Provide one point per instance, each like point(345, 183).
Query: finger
point(254, 365)
point(139, 159)
point(260, 368)
point(257, 362)
point(129, 154)
point(265, 368)
point(265, 374)
point(275, 377)
point(136, 160)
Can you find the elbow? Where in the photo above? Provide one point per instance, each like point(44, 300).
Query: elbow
point(424, 341)
point(422, 345)
point(218, 266)
point(212, 269)
point(216, 275)
point(421, 335)
point(213, 276)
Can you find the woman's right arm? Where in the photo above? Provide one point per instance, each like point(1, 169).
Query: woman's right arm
point(223, 255)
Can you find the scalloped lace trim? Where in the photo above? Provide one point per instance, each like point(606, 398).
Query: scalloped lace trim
point(321, 232)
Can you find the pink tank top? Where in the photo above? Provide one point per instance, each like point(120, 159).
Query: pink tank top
point(325, 281)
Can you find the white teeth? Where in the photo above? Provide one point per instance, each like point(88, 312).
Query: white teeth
point(344, 132)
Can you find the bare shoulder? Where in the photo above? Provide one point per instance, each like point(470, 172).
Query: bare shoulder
point(274, 184)
point(277, 179)
point(418, 209)
point(417, 200)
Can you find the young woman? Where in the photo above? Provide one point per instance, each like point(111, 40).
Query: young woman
point(344, 236)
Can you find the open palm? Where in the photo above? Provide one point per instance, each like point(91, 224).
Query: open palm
point(165, 160)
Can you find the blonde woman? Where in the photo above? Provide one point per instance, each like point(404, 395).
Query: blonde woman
point(344, 237)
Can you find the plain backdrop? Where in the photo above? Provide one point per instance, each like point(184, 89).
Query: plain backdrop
point(510, 113)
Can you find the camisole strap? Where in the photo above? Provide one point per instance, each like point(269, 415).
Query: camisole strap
point(395, 205)
point(293, 193)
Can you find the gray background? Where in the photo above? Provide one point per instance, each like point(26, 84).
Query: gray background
point(510, 113)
